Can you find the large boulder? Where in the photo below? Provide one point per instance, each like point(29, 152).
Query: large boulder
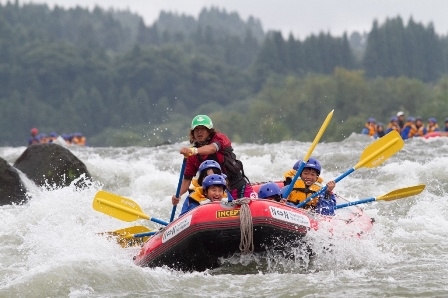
point(12, 189)
point(51, 165)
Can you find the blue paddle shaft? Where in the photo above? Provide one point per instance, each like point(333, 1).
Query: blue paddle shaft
point(159, 221)
point(182, 170)
point(143, 234)
point(294, 179)
point(355, 203)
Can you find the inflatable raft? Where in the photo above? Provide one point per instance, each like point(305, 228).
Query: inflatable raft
point(197, 240)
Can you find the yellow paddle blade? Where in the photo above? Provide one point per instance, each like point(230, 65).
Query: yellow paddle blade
point(380, 150)
point(129, 231)
point(118, 207)
point(403, 193)
point(318, 136)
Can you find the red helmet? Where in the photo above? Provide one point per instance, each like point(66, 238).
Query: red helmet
point(34, 131)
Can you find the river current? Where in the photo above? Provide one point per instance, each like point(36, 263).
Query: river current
point(51, 246)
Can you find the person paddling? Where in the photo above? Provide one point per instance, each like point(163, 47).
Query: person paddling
point(307, 185)
point(208, 143)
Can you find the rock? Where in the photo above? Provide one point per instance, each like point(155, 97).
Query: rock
point(51, 165)
point(12, 189)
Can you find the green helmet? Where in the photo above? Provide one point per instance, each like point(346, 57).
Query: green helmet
point(203, 120)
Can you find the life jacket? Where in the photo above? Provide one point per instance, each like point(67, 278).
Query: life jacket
point(81, 141)
point(371, 129)
point(433, 128)
point(408, 131)
point(391, 126)
point(301, 192)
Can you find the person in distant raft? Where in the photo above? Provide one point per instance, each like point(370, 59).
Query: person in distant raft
point(370, 127)
point(34, 139)
point(307, 185)
point(212, 190)
point(207, 143)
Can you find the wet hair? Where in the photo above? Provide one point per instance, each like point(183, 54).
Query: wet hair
point(204, 174)
point(276, 198)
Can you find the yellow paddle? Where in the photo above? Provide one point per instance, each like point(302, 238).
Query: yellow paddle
point(125, 236)
point(120, 207)
point(308, 154)
point(372, 156)
point(393, 195)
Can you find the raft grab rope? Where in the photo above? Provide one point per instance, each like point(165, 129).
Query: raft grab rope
point(246, 226)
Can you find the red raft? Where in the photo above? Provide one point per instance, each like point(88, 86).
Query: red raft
point(197, 240)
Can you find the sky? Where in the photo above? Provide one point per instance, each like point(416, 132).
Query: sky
point(300, 17)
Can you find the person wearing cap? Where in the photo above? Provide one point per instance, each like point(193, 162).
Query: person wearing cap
point(34, 137)
point(409, 129)
point(209, 144)
point(393, 125)
point(432, 126)
point(370, 127)
point(401, 122)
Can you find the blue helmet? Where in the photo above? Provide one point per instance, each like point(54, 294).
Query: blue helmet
point(371, 120)
point(269, 189)
point(411, 119)
point(207, 164)
point(446, 120)
point(313, 164)
point(214, 179)
point(393, 118)
point(432, 119)
point(297, 165)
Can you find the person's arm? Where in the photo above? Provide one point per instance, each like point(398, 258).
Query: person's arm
point(204, 150)
point(183, 189)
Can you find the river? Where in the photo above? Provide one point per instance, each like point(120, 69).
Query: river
point(50, 246)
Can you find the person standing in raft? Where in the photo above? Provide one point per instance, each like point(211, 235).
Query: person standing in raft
point(212, 190)
point(307, 185)
point(401, 122)
point(211, 144)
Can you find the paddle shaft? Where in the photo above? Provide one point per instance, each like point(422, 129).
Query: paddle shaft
point(308, 154)
point(179, 184)
point(355, 203)
point(393, 195)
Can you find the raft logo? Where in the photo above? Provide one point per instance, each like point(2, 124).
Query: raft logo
point(126, 202)
point(289, 216)
point(227, 213)
point(176, 229)
point(378, 160)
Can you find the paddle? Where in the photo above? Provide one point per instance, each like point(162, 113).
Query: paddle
point(120, 207)
point(393, 195)
point(372, 156)
point(125, 236)
point(308, 154)
point(182, 170)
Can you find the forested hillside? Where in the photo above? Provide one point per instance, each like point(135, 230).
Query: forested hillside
point(121, 82)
